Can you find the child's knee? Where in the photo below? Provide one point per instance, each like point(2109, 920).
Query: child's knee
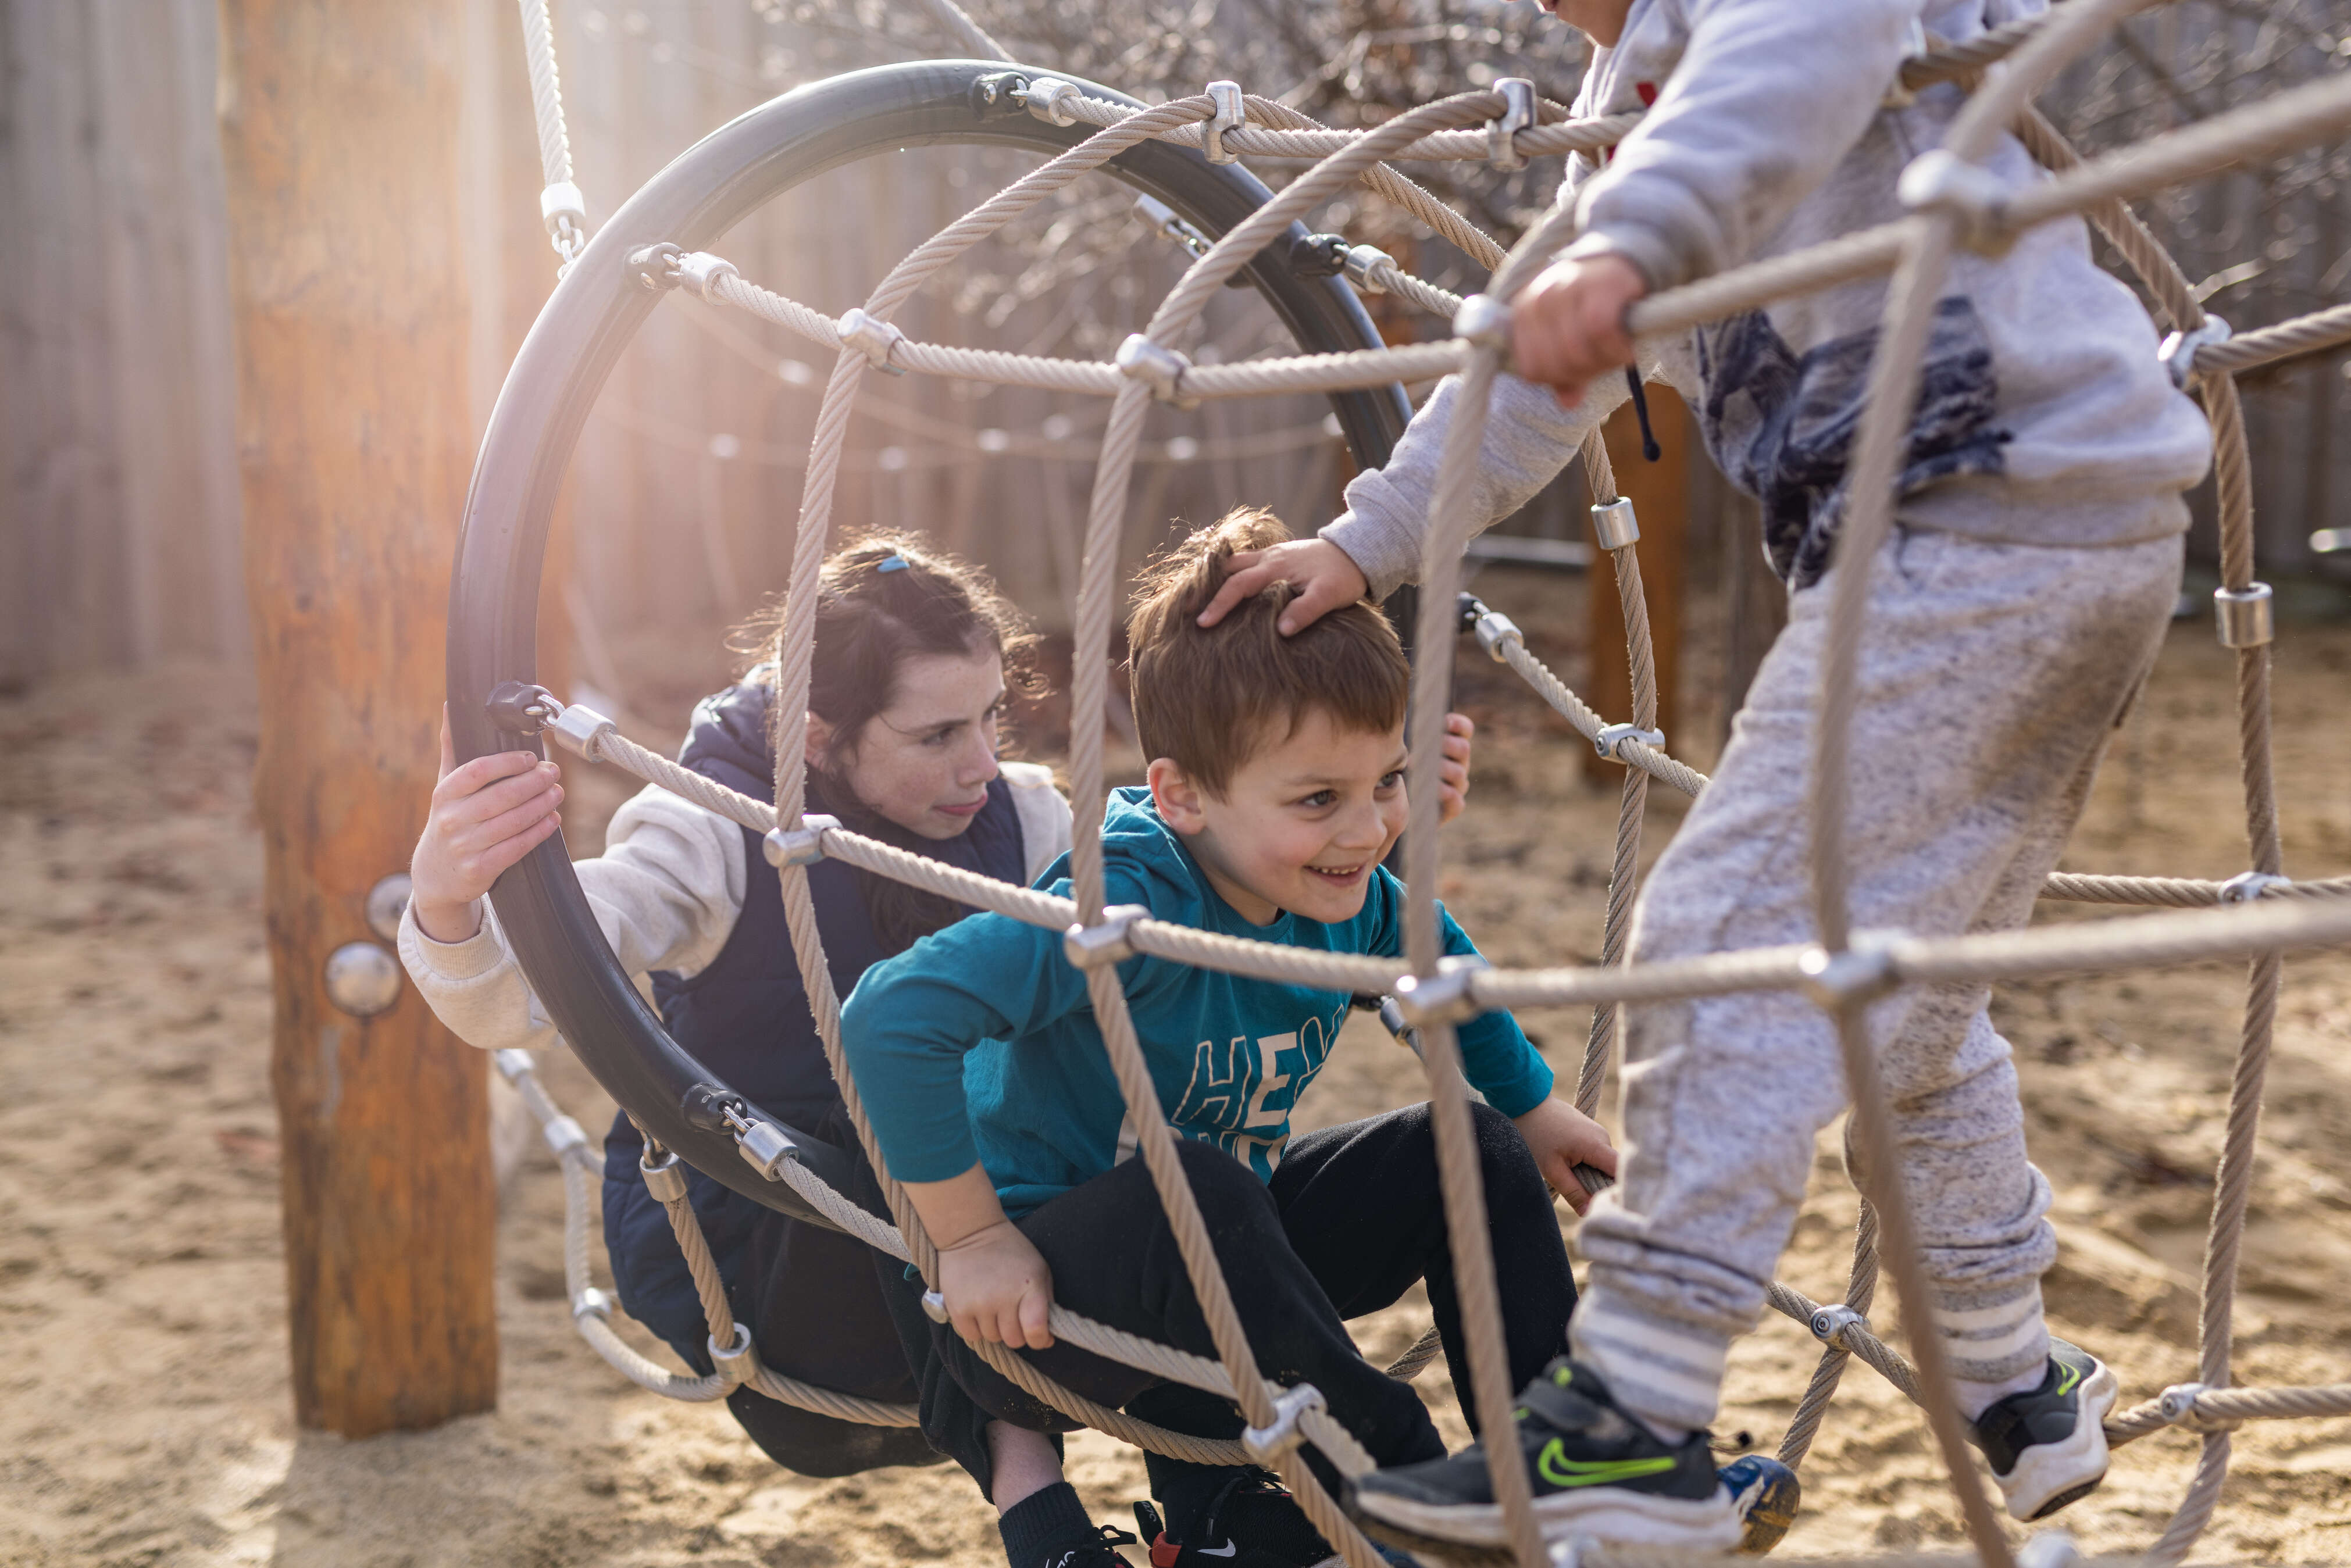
point(1509, 1164)
point(1225, 1189)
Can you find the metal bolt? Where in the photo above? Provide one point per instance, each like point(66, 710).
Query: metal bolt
point(363, 979)
point(385, 901)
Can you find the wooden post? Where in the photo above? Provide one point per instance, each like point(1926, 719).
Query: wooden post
point(1660, 492)
point(338, 133)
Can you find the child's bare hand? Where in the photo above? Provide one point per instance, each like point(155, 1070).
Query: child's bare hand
point(1562, 1138)
point(1319, 570)
point(998, 1287)
point(1567, 327)
point(486, 816)
point(1453, 776)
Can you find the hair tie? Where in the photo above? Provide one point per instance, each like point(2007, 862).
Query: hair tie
point(892, 563)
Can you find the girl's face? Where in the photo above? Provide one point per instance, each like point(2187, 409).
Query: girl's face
point(925, 761)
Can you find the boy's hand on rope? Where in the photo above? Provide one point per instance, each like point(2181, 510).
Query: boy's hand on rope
point(1453, 775)
point(1563, 1137)
point(1320, 572)
point(1567, 327)
point(486, 816)
point(996, 1283)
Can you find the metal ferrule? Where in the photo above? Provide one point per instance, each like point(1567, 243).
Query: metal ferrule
point(1862, 972)
point(1158, 367)
point(1044, 98)
point(2177, 352)
point(1365, 265)
point(513, 1063)
point(1828, 1324)
point(1942, 182)
point(873, 337)
point(935, 1307)
point(700, 271)
point(2248, 887)
point(1495, 632)
point(579, 728)
point(765, 1147)
point(739, 1362)
point(1483, 320)
point(803, 845)
point(1614, 526)
point(1613, 736)
point(559, 201)
point(1517, 114)
point(1268, 1443)
point(665, 1177)
point(1091, 946)
point(1445, 997)
point(564, 1134)
point(2177, 1403)
point(2245, 618)
point(592, 1302)
point(1231, 114)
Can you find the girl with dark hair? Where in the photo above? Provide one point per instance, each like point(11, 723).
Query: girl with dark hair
point(915, 655)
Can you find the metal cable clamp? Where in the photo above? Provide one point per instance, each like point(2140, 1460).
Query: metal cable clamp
point(1865, 971)
point(654, 267)
point(564, 211)
point(1445, 996)
point(1829, 1325)
point(699, 272)
point(1106, 942)
point(1162, 217)
point(739, 1363)
point(2244, 617)
point(2248, 887)
point(935, 1307)
point(1497, 634)
point(1043, 97)
point(1269, 1442)
point(1365, 265)
point(764, 1146)
point(565, 1136)
point(1943, 182)
point(2177, 1405)
point(873, 337)
point(592, 1302)
point(513, 1063)
point(1517, 114)
point(1231, 114)
point(1613, 736)
point(1158, 367)
point(1483, 321)
point(579, 728)
point(518, 707)
point(663, 1177)
point(803, 845)
point(2177, 353)
point(1614, 526)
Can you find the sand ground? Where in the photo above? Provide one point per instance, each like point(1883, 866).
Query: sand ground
point(144, 1415)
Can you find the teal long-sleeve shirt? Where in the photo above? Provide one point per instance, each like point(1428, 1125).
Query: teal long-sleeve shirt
point(978, 1043)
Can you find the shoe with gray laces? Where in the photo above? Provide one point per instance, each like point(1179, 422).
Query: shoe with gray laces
point(2048, 1446)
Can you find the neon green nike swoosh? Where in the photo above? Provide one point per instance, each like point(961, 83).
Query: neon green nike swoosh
point(1560, 1470)
point(2068, 1376)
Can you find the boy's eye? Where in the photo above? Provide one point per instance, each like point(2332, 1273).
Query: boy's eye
point(1391, 780)
point(1321, 798)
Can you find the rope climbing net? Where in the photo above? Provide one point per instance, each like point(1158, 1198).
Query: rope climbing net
point(1956, 203)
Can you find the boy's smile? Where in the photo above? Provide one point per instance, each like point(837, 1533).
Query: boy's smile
point(1300, 825)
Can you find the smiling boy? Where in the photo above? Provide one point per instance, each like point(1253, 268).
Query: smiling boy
point(1275, 790)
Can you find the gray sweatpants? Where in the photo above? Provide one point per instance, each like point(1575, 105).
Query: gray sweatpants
point(1991, 675)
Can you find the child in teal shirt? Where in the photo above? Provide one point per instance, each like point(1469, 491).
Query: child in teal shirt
point(1276, 790)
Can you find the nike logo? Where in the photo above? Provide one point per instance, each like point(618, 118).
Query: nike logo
point(1230, 1549)
point(1560, 1470)
point(2068, 1376)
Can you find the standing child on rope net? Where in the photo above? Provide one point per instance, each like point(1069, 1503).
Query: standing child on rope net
point(1276, 789)
point(2011, 615)
point(914, 651)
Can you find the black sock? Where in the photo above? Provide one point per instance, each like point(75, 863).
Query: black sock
point(1049, 1520)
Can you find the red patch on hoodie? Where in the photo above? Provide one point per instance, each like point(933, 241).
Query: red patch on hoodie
point(1648, 91)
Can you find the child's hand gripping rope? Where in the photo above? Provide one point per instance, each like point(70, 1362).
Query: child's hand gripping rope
point(1561, 1137)
point(486, 816)
point(996, 1283)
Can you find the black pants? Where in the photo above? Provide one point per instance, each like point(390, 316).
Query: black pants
point(1352, 1218)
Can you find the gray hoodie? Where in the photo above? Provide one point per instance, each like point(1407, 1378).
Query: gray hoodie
point(2045, 417)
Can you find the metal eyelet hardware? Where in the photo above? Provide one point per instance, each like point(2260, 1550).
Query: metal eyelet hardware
point(873, 337)
point(1447, 997)
point(1865, 971)
point(1231, 114)
point(1517, 114)
point(803, 845)
point(1091, 946)
point(1043, 97)
point(1829, 1323)
point(2177, 353)
point(1269, 1442)
point(1158, 367)
point(2248, 887)
point(1613, 736)
point(664, 1178)
point(1365, 263)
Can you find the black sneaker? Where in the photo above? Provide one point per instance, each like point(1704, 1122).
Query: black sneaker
point(2047, 1447)
point(1765, 1494)
point(1090, 1550)
point(1597, 1473)
point(1250, 1521)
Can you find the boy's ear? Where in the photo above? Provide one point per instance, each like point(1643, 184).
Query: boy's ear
point(1176, 796)
point(819, 742)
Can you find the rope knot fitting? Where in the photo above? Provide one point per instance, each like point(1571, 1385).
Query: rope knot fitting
point(2178, 1406)
point(580, 730)
point(1231, 114)
point(592, 1302)
point(2177, 353)
point(1865, 971)
point(1829, 1323)
point(1517, 114)
point(873, 337)
point(1613, 736)
point(1614, 526)
point(803, 845)
point(1942, 182)
point(1043, 97)
point(737, 1364)
point(1158, 367)
point(1107, 942)
point(1447, 997)
point(1484, 322)
point(2244, 617)
point(2248, 887)
point(565, 1136)
point(1367, 267)
point(665, 1177)
point(1269, 1442)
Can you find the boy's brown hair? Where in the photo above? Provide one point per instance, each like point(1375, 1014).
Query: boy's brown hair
point(1207, 698)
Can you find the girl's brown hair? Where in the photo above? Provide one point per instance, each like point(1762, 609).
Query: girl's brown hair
point(868, 622)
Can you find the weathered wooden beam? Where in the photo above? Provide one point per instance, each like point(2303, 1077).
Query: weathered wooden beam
point(338, 133)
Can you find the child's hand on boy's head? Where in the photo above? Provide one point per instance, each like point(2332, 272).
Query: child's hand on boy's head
point(1567, 327)
point(1453, 776)
point(1562, 1138)
point(486, 816)
point(1324, 578)
point(998, 1287)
